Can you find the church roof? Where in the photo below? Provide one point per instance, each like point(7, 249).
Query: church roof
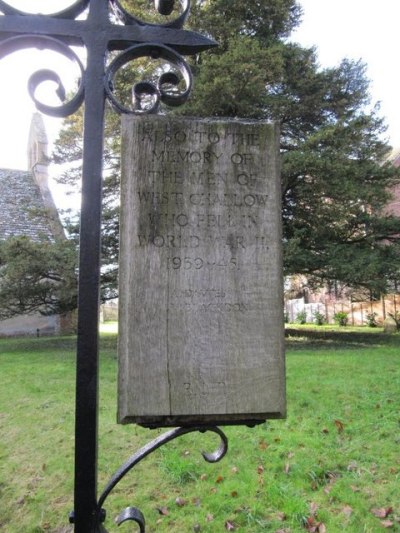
point(22, 209)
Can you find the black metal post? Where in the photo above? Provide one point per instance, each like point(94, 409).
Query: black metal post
point(87, 367)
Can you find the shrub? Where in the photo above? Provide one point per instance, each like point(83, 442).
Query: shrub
point(319, 318)
point(341, 318)
point(396, 318)
point(371, 319)
point(301, 317)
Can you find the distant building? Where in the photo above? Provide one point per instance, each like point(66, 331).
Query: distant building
point(333, 296)
point(27, 209)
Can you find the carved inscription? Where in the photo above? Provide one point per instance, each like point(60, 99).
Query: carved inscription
point(188, 193)
point(200, 262)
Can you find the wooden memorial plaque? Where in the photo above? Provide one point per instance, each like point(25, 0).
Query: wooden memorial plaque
point(201, 300)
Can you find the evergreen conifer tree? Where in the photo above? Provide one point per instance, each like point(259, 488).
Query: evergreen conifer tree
point(336, 178)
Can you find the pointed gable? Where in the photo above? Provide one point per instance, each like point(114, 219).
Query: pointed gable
point(26, 204)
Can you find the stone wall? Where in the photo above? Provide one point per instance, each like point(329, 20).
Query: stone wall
point(30, 326)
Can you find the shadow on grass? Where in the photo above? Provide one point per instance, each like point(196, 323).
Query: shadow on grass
point(29, 345)
point(35, 344)
point(303, 338)
point(297, 338)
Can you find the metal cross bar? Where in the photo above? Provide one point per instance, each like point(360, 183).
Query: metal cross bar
point(112, 36)
point(98, 34)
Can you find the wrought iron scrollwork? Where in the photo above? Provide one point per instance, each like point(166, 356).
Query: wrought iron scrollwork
point(133, 514)
point(22, 42)
point(164, 90)
point(164, 7)
point(174, 82)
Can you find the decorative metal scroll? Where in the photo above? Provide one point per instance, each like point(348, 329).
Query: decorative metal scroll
point(135, 37)
point(68, 106)
point(156, 91)
point(164, 7)
point(111, 37)
point(133, 514)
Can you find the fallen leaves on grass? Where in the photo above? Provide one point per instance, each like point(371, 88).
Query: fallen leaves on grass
point(330, 485)
point(312, 526)
point(180, 502)
point(347, 511)
point(163, 511)
point(382, 512)
point(196, 502)
point(339, 426)
point(313, 508)
point(353, 467)
point(387, 523)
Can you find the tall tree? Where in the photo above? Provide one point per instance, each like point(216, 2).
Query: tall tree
point(37, 277)
point(335, 181)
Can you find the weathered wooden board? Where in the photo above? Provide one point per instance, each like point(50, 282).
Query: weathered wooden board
point(201, 305)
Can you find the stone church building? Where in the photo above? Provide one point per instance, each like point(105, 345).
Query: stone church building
point(27, 209)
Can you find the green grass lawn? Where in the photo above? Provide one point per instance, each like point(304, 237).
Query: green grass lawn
point(333, 465)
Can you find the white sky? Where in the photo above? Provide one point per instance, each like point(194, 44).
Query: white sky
point(16, 107)
point(359, 29)
point(365, 29)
